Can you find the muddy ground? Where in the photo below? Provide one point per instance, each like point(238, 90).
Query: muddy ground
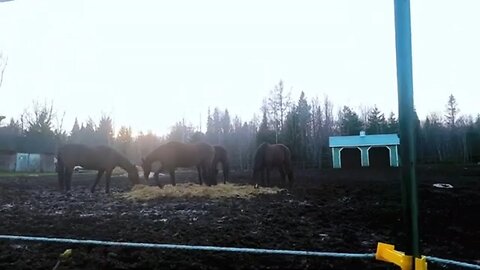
point(328, 210)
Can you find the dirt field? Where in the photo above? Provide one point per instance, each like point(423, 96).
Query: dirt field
point(344, 211)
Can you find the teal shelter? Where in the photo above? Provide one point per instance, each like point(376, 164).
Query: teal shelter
point(379, 150)
point(27, 154)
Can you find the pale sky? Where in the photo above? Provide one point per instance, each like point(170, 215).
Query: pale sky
point(150, 63)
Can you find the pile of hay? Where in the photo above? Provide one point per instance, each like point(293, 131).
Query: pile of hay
point(145, 193)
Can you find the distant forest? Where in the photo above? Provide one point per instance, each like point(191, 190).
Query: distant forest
point(304, 125)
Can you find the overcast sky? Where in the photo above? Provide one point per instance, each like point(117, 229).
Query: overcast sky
point(150, 63)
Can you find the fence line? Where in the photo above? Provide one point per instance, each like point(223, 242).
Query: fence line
point(218, 249)
point(452, 262)
point(188, 247)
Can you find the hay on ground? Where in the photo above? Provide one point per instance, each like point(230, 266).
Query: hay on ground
point(145, 193)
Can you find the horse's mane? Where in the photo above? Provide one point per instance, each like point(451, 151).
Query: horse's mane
point(259, 155)
point(150, 158)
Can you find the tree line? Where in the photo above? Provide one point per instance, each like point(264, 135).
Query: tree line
point(304, 125)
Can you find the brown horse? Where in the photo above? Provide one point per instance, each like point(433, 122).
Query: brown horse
point(101, 158)
point(269, 156)
point(221, 157)
point(174, 155)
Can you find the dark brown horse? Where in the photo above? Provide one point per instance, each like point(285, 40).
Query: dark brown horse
point(101, 158)
point(270, 156)
point(174, 155)
point(221, 156)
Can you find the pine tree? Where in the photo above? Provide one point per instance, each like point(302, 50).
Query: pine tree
point(376, 121)
point(105, 130)
point(392, 124)
point(452, 111)
point(349, 122)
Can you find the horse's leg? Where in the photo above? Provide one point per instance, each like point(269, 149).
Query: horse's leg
point(199, 170)
point(211, 173)
point(68, 178)
point(97, 180)
point(290, 176)
point(262, 177)
point(61, 179)
point(108, 177)
point(214, 174)
point(157, 180)
point(282, 174)
point(268, 177)
point(254, 178)
point(172, 176)
point(225, 171)
point(288, 168)
point(203, 171)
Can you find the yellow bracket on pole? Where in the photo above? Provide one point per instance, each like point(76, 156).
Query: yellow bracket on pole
point(387, 253)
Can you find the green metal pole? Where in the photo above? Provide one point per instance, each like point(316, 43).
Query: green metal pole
point(406, 112)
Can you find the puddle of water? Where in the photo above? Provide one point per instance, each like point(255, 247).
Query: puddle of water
point(151, 212)
point(7, 206)
point(191, 212)
point(163, 220)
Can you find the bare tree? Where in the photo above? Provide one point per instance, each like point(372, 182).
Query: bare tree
point(327, 128)
point(364, 112)
point(317, 118)
point(3, 66)
point(328, 116)
point(279, 102)
point(39, 119)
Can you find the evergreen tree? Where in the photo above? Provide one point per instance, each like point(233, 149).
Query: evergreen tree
point(105, 131)
point(392, 124)
point(452, 111)
point(124, 140)
point(376, 121)
point(265, 134)
point(349, 122)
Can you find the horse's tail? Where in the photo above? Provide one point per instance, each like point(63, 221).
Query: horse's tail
point(259, 158)
point(288, 164)
point(225, 168)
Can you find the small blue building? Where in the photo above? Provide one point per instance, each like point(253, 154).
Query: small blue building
point(27, 154)
point(379, 150)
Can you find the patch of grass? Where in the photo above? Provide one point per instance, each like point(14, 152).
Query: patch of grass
point(145, 193)
point(25, 174)
point(118, 171)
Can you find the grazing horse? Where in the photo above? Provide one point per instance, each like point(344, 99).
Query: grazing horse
point(174, 155)
point(269, 156)
point(101, 158)
point(221, 156)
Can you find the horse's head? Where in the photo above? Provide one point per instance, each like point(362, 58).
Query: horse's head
point(255, 176)
point(147, 168)
point(133, 175)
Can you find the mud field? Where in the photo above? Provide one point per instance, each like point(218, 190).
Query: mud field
point(331, 210)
